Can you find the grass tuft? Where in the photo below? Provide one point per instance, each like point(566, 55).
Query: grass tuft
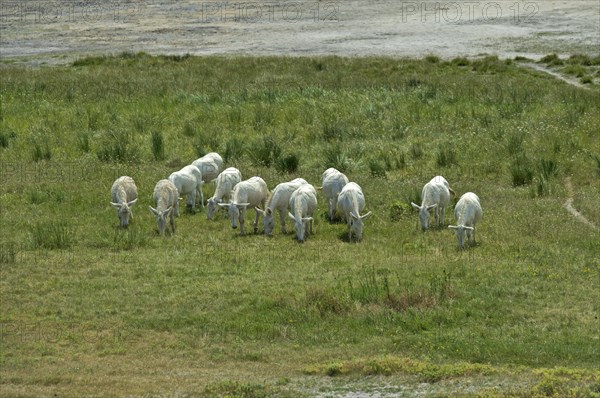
point(339, 159)
point(551, 59)
point(52, 235)
point(521, 171)
point(130, 238)
point(426, 371)
point(461, 61)
point(118, 146)
point(288, 163)
point(235, 148)
point(596, 159)
point(83, 141)
point(234, 389)
point(432, 59)
point(580, 59)
point(4, 139)
point(548, 168)
point(326, 302)
point(265, 151)
point(41, 151)
point(369, 288)
point(416, 151)
point(188, 129)
point(334, 130)
point(489, 64)
point(157, 145)
point(445, 155)
point(377, 167)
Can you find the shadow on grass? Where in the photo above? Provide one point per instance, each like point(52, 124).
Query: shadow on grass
point(336, 220)
point(344, 237)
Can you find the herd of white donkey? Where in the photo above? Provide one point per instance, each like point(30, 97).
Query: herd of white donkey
point(297, 199)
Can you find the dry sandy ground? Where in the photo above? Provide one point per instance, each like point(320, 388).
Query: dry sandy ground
point(59, 31)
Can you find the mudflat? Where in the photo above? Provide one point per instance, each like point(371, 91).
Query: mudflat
point(59, 31)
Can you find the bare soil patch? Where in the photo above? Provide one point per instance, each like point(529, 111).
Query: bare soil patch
point(60, 31)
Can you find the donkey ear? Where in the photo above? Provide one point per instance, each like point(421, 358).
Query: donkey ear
point(452, 226)
point(153, 210)
point(115, 205)
point(226, 205)
point(416, 206)
point(262, 212)
point(132, 202)
point(431, 206)
point(291, 216)
point(366, 216)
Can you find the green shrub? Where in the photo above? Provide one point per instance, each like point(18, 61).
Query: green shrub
point(399, 210)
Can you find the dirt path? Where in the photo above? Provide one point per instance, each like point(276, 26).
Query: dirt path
point(543, 68)
point(568, 184)
point(569, 206)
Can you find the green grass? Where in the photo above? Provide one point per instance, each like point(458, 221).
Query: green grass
point(208, 313)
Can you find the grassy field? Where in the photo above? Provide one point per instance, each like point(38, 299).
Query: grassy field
point(88, 309)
